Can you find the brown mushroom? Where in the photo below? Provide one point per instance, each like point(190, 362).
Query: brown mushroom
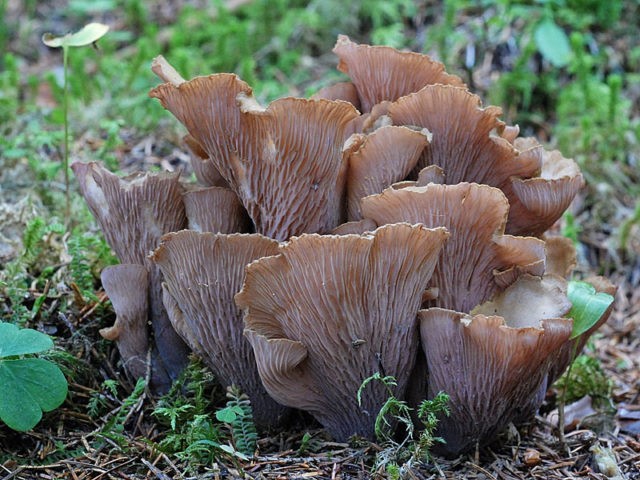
point(203, 168)
point(330, 311)
point(133, 213)
point(463, 143)
point(478, 260)
point(384, 73)
point(215, 209)
point(387, 155)
point(127, 286)
point(494, 363)
point(430, 174)
point(340, 91)
point(203, 272)
point(285, 162)
point(538, 202)
point(561, 256)
point(357, 227)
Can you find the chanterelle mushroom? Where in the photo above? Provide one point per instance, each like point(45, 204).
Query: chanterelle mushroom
point(478, 260)
point(128, 289)
point(536, 203)
point(386, 156)
point(329, 311)
point(384, 73)
point(203, 272)
point(494, 364)
point(285, 161)
point(133, 213)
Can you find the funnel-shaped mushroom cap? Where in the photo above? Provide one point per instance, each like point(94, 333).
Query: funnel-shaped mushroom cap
point(561, 256)
point(340, 91)
point(384, 73)
point(478, 259)
point(357, 227)
point(538, 202)
point(285, 162)
point(216, 210)
point(133, 213)
point(386, 156)
point(493, 371)
point(204, 169)
point(127, 287)
point(330, 311)
point(463, 143)
point(203, 272)
point(430, 174)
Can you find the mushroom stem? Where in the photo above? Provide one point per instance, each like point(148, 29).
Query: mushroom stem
point(165, 71)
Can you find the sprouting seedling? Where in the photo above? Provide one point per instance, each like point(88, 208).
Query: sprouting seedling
point(88, 35)
point(588, 307)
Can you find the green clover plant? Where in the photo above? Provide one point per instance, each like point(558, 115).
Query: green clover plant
point(30, 385)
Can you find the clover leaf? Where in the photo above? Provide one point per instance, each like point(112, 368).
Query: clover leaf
point(30, 385)
point(588, 306)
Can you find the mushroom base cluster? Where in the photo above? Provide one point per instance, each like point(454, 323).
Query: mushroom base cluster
point(389, 224)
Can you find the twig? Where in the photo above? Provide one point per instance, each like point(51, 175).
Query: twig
point(155, 470)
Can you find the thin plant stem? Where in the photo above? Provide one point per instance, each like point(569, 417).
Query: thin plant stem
point(65, 113)
point(563, 398)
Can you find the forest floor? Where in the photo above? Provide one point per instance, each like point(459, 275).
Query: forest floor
point(120, 440)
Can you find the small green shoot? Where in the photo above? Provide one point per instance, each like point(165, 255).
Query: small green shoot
point(30, 385)
point(398, 456)
point(391, 409)
point(88, 35)
point(238, 416)
point(588, 306)
point(428, 412)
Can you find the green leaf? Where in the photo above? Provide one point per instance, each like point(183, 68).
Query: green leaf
point(588, 306)
point(14, 341)
point(229, 414)
point(86, 36)
point(30, 386)
point(552, 43)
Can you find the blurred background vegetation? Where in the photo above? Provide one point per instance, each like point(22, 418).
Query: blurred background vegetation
point(566, 71)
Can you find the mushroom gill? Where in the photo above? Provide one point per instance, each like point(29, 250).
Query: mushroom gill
point(494, 363)
point(463, 143)
point(387, 155)
point(203, 168)
point(203, 272)
point(384, 73)
point(285, 162)
point(478, 260)
point(133, 213)
point(329, 311)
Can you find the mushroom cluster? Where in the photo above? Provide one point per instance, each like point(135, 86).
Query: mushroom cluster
point(388, 224)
